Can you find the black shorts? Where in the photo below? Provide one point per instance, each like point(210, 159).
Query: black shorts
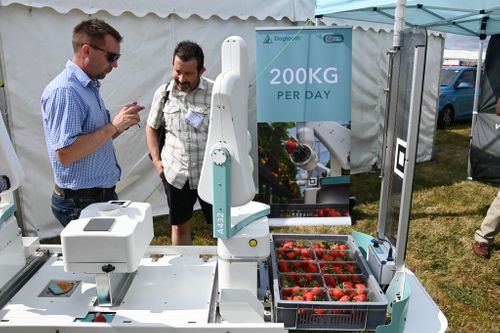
point(181, 204)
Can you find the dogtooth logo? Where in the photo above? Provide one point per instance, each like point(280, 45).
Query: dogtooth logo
point(267, 40)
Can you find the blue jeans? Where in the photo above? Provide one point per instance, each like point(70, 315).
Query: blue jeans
point(68, 209)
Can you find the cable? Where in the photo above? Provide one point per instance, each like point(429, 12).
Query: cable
point(375, 242)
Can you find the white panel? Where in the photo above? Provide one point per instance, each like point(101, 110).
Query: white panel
point(11, 251)
point(172, 291)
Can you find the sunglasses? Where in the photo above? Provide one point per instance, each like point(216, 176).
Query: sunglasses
point(110, 56)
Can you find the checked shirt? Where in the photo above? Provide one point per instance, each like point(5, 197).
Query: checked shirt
point(182, 155)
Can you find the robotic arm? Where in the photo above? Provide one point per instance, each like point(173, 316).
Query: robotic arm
point(11, 172)
point(240, 224)
point(228, 132)
point(335, 137)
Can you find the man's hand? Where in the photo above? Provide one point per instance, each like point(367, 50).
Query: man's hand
point(128, 116)
point(159, 168)
point(88, 143)
point(154, 150)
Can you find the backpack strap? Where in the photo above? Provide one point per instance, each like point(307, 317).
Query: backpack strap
point(166, 95)
point(161, 129)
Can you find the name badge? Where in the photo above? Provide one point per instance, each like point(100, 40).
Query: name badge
point(193, 118)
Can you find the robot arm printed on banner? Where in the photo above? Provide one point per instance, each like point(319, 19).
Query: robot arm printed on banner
point(229, 126)
point(335, 137)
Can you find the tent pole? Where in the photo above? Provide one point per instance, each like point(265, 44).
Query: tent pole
point(399, 22)
point(476, 100)
point(387, 144)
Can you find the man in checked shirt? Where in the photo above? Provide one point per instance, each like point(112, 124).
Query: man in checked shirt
point(185, 115)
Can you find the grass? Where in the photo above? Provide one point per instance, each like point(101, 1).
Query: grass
point(446, 210)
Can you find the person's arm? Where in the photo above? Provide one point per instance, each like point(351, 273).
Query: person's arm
point(497, 111)
point(154, 149)
point(86, 144)
point(155, 119)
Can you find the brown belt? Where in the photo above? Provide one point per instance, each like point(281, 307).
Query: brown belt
point(84, 192)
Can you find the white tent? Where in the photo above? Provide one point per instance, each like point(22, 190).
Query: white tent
point(35, 43)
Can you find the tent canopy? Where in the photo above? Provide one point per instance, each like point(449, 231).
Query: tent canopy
point(463, 17)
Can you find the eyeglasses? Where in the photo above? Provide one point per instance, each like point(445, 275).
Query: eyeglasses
point(110, 56)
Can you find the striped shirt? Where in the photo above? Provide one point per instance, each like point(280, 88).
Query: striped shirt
point(184, 149)
point(72, 106)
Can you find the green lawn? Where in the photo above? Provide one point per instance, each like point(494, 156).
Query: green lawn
point(446, 210)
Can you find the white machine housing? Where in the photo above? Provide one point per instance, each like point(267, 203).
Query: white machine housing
point(123, 245)
point(229, 125)
point(239, 256)
point(381, 263)
point(12, 253)
point(9, 165)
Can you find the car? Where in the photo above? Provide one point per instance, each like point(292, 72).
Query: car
point(456, 94)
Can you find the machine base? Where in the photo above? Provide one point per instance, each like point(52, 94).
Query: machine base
point(172, 291)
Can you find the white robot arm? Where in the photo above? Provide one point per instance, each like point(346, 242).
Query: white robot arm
point(229, 126)
point(12, 253)
point(335, 137)
point(11, 172)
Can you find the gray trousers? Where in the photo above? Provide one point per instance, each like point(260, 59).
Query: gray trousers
point(490, 225)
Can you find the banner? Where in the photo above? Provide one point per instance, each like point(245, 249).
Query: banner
point(303, 78)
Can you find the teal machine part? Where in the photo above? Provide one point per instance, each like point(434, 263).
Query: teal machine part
point(222, 199)
point(9, 212)
point(362, 240)
point(398, 296)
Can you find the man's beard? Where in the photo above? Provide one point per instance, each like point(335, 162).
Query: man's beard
point(187, 87)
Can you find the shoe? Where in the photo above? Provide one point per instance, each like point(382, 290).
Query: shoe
point(481, 249)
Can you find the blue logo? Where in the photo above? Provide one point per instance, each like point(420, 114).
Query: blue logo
point(267, 40)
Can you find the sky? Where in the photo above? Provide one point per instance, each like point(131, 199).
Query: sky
point(459, 42)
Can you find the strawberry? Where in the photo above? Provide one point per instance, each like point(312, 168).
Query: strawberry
point(309, 297)
point(361, 288)
point(305, 253)
point(360, 298)
point(336, 293)
point(315, 291)
point(350, 268)
point(347, 285)
point(283, 266)
point(291, 146)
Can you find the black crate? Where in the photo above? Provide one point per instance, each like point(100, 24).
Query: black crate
point(328, 314)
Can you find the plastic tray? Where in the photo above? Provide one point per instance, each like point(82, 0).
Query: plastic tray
point(325, 312)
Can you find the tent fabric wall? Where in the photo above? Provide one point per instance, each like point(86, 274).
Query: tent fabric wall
point(294, 10)
point(35, 44)
point(368, 97)
point(485, 146)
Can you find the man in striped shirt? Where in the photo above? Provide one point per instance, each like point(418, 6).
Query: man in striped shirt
point(185, 115)
point(77, 126)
